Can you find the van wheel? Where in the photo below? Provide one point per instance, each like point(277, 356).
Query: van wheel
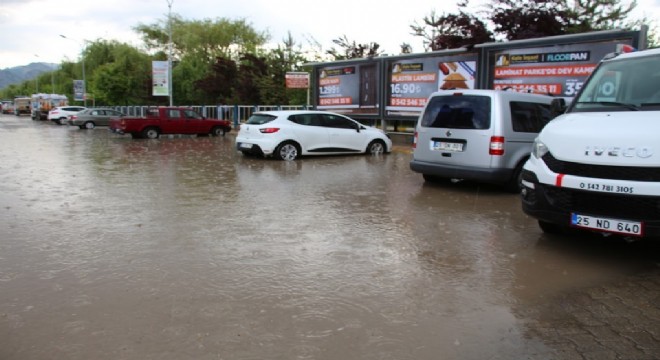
point(550, 228)
point(433, 178)
point(515, 184)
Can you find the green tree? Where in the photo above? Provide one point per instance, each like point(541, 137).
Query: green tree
point(352, 50)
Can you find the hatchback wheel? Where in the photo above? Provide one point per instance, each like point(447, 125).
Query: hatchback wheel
point(286, 151)
point(376, 147)
point(89, 125)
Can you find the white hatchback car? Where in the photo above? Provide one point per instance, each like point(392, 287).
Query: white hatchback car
point(286, 135)
point(60, 114)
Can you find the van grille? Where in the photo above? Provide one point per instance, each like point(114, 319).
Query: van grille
point(631, 173)
point(612, 205)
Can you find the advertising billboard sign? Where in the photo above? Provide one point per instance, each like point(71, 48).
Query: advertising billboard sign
point(556, 69)
point(412, 80)
point(297, 80)
point(349, 89)
point(160, 76)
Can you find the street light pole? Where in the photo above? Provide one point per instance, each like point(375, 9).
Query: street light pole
point(82, 59)
point(169, 56)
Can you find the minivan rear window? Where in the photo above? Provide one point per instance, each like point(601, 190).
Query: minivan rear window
point(259, 119)
point(458, 112)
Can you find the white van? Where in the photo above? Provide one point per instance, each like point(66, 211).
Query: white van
point(479, 135)
point(597, 167)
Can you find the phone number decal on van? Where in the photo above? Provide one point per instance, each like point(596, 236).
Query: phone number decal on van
point(607, 188)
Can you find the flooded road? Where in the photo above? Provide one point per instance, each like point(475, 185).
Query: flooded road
point(182, 248)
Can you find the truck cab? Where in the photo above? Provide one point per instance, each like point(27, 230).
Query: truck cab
point(597, 166)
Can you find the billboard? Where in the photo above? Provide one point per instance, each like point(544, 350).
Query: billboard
point(556, 69)
point(78, 90)
point(297, 80)
point(412, 80)
point(160, 78)
point(349, 89)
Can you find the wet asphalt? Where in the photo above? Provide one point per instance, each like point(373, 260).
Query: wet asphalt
point(182, 248)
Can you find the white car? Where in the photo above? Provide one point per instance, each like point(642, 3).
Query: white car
point(60, 114)
point(286, 135)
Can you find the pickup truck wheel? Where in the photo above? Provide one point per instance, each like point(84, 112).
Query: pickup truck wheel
point(150, 133)
point(89, 125)
point(217, 131)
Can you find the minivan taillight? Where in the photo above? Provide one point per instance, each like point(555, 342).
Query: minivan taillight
point(496, 145)
point(414, 144)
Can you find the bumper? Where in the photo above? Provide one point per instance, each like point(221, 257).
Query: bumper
point(256, 146)
point(556, 204)
point(487, 175)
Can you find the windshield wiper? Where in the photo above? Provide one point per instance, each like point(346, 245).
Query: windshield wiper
point(613, 103)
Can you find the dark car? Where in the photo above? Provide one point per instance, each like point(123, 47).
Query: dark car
point(91, 118)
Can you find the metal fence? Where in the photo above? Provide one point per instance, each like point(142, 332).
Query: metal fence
point(236, 113)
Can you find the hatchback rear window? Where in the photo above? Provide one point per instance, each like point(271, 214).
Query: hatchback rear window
point(458, 112)
point(258, 119)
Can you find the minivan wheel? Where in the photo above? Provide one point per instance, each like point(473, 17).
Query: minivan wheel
point(286, 151)
point(550, 228)
point(376, 147)
point(515, 184)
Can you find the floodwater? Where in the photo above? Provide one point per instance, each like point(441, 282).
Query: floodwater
point(182, 248)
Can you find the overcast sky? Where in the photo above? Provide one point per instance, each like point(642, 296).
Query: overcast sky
point(30, 29)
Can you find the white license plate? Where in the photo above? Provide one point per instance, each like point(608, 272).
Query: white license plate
point(446, 146)
point(245, 146)
point(606, 224)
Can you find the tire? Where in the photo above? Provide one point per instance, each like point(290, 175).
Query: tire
point(376, 147)
point(550, 228)
point(61, 121)
point(89, 125)
point(218, 131)
point(515, 184)
point(287, 151)
point(150, 133)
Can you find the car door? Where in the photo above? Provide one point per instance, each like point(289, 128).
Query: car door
point(309, 132)
point(194, 124)
point(344, 134)
point(172, 123)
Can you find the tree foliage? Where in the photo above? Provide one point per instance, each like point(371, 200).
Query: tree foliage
point(352, 50)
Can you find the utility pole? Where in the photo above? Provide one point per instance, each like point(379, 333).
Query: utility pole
point(82, 59)
point(169, 55)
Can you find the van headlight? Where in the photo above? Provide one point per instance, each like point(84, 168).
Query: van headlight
point(539, 149)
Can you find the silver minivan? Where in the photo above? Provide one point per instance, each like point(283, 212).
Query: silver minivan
point(479, 135)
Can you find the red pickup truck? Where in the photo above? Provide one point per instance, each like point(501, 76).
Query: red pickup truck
point(169, 120)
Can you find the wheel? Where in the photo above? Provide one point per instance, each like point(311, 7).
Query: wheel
point(515, 184)
point(150, 133)
point(376, 147)
point(217, 131)
point(286, 151)
point(61, 121)
point(550, 228)
point(89, 125)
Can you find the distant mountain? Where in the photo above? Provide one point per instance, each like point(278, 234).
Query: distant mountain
point(19, 74)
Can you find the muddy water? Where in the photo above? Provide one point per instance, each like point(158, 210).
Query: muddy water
point(180, 248)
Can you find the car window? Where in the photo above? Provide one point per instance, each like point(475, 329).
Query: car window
point(529, 117)
point(458, 112)
point(173, 113)
point(189, 114)
point(334, 121)
point(97, 112)
point(306, 119)
point(259, 119)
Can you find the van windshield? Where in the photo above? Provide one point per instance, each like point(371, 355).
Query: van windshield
point(458, 112)
point(622, 85)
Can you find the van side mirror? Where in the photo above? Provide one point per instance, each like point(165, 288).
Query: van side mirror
point(557, 106)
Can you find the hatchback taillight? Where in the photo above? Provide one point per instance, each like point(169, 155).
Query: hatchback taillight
point(269, 130)
point(496, 145)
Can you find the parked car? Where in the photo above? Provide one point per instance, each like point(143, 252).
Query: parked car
point(91, 118)
point(169, 120)
point(7, 106)
point(60, 114)
point(286, 135)
point(478, 135)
